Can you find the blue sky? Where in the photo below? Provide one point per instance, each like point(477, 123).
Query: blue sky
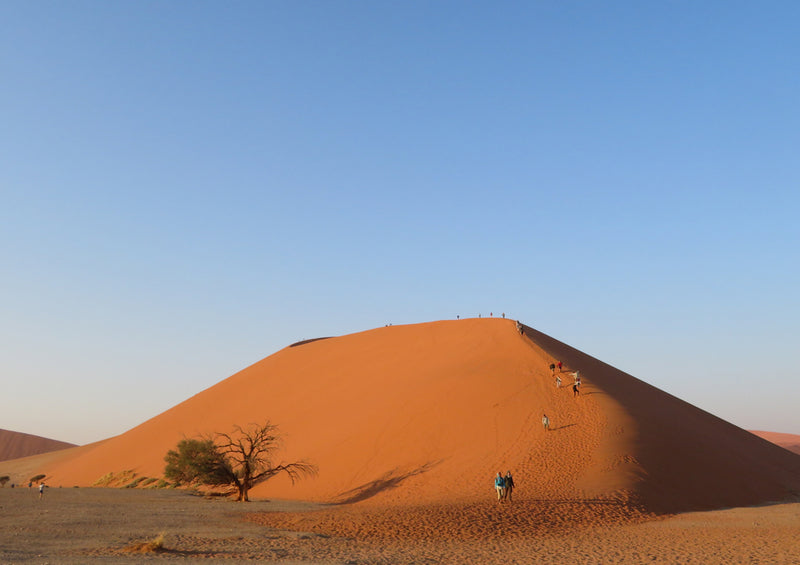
point(187, 187)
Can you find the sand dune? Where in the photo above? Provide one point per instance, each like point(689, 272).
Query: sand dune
point(14, 445)
point(786, 441)
point(428, 413)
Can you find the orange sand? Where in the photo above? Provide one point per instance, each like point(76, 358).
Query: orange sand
point(426, 414)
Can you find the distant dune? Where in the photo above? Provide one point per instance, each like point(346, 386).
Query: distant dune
point(16, 444)
point(786, 441)
point(428, 413)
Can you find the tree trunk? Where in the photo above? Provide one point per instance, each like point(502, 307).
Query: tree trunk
point(244, 482)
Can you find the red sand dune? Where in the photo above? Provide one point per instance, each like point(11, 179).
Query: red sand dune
point(786, 441)
point(17, 444)
point(428, 413)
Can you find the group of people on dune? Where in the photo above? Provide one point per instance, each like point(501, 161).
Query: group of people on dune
point(504, 485)
point(576, 386)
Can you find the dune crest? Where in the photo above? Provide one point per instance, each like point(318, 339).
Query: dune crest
point(428, 413)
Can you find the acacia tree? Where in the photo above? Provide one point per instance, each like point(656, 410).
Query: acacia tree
point(4, 479)
point(241, 460)
point(196, 460)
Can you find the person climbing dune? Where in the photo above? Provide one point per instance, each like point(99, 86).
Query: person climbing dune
point(500, 486)
point(508, 481)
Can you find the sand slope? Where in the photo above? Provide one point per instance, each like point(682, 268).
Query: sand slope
point(17, 444)
point(786, 441)
point(678, 456)
point(428, 413)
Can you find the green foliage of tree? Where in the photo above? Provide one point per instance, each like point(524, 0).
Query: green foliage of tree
point(240, 460)
point(36, 478)
point(197, 461)
point(4, 479)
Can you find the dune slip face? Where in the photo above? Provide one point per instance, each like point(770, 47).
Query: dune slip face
point(426, 415)
point(14, 445)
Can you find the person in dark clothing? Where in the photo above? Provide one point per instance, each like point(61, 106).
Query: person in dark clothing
point(509, 482)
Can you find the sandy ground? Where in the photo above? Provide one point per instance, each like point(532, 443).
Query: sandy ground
point(85, 525)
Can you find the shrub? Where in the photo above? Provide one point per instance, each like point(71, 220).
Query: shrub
point(104, 480)
point(135, 482)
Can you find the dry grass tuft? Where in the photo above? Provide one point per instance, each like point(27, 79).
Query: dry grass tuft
point(115, 479)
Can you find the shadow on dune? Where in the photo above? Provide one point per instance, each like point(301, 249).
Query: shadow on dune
point(390, 480)
point(562, 427)
point(679, 457)
point(576, 501)
point(305, 341)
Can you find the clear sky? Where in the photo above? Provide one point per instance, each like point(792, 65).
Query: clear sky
point(187, 187)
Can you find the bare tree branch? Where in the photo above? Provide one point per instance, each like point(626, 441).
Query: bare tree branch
point(242, 459)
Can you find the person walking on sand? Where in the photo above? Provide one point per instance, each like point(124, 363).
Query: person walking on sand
point(575, 391)
point(546, 423)
point(558, 382)
point(559, 366)
point(41, 490)
point(552, 368)
point(508, 480)
point(500, 486)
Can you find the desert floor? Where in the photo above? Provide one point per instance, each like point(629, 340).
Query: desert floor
point(87, 525)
